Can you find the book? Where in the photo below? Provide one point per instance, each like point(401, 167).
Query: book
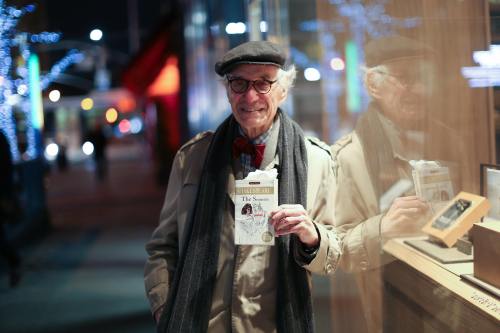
point(432, 183)
point(255, 197)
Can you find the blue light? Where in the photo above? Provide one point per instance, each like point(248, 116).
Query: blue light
point(372, 18)
point(45, 37)
point(385, 19)
point(14, 12)
point(13, 81)
point(301, 59)
point(30, 8)
point(72, 57)
point(309, 25)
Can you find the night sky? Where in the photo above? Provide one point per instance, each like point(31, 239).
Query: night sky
point(75, 19)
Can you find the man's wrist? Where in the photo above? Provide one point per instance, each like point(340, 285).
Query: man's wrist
point(158, 313)
point(314, 245)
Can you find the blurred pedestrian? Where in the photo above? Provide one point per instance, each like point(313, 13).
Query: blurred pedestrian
point(99, 140)
point(62, 158)
point(9, 210)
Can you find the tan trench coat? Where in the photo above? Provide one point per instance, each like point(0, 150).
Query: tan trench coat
point(244, 298)
point(358, 218)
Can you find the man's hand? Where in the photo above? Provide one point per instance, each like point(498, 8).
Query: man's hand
point(158, 314)
point(405, 216)
point(293, 219)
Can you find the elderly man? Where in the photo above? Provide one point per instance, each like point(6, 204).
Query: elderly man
point(196, 278)
point(375, 157)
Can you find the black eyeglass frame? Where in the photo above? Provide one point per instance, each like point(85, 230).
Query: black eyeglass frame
point(252, 83)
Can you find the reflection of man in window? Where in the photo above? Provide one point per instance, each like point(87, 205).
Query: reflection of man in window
point(375, 157)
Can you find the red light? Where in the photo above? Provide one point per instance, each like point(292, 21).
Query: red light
point(124, 126)
point(126, 104)
point(168, 81)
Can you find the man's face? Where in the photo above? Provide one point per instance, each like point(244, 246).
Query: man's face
point(255, 111)
point(405, 92)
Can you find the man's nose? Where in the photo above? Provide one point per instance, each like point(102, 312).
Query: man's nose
point(419, 88)
point(251, 94)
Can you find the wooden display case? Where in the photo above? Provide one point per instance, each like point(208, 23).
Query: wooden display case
point(423, 295)
point(487, 252)
point(456, 218)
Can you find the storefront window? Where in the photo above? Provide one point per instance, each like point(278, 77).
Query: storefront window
point(387, 84)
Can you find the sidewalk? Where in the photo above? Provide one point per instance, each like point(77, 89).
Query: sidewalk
point(86, 275)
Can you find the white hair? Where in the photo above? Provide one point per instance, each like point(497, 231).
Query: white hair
point(286, 78)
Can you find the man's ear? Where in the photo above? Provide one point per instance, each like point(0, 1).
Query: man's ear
point(373, 82)
point(282, 95)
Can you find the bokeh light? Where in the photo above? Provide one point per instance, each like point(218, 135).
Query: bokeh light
point(312, 74)
point(54, 95)
point(51, 151)
point(135, 125)
point(88, 148)
point(337, 64)
point(111, 115)
point(96, 35)
point(124, 126)
point(87, 103)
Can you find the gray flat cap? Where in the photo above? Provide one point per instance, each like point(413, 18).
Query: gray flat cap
point(392, 48)
point(255, 52)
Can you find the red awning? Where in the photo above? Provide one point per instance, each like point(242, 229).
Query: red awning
point(147, 64)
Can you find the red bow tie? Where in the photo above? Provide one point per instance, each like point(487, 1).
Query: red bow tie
point(242, 146)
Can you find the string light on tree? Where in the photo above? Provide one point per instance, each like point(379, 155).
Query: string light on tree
point(17, 77)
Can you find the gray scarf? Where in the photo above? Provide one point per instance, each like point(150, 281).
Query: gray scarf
point(190, 295)
point(377, 150)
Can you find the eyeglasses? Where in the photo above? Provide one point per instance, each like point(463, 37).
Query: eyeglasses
point(406, 81)
point(408, 78)
point(239, 86)
point(399, 80)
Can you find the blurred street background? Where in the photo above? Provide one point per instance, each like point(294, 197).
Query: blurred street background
point(85, 275)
